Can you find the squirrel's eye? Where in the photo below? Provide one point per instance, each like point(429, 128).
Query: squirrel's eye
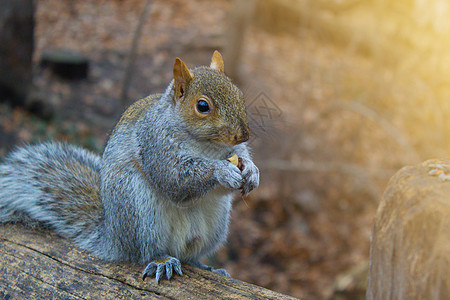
point(203, 106)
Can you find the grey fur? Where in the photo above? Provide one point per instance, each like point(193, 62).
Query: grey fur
point(156, 192)
point(39, 184)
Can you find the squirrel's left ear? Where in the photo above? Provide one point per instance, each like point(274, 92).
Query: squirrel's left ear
point(182, 77)
point(217, 62)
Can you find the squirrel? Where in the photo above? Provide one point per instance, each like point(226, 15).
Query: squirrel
point(161, 194)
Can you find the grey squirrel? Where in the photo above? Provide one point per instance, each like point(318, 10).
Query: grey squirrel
point(161, 194)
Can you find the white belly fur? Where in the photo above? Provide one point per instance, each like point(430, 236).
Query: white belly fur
point(193, 230)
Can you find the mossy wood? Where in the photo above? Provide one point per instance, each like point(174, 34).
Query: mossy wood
point(41, 264)
point(410, 250)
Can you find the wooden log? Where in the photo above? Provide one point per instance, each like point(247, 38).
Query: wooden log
point(410, 250)
point(41, 264)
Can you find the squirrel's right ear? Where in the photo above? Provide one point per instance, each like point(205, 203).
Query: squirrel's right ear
point(182, 77)
point(217, 62)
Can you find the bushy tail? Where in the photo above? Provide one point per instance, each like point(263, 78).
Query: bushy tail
point(55, 184)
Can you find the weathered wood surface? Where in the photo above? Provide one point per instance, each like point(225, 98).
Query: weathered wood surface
point(410, 250)
point(41, 264)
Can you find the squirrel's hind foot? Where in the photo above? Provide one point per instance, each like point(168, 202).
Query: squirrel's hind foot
point(208, 268)
point(158, 267)
point(221, 272)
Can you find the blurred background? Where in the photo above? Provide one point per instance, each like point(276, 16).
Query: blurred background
point(340, 93)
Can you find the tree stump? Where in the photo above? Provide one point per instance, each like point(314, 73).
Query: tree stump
point(410, 250)
point(39, 264)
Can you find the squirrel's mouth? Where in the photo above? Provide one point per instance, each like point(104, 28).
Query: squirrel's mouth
point(237, 138)
point(241, 137)
point(230, 138)
point(227, 141)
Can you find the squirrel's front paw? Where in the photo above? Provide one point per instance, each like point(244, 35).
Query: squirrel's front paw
point(250, 173)
point(228, 175)
point(160, 266)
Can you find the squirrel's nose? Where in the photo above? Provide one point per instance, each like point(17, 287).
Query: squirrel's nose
point(241, 137)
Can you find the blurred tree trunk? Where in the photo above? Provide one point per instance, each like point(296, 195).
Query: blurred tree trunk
point(240, 16)
point(132, 55)
point(16, 48)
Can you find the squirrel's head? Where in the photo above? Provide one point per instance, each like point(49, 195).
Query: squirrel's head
point(209, 103)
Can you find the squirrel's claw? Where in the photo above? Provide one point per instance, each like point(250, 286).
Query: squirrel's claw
point(160, 266)
point(159, 272)
point(169, 271)
point(149, 271)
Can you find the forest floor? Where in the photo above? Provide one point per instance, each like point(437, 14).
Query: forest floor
point(330, 126)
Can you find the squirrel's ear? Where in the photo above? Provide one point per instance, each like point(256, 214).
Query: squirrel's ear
point(182, 77)
point(217, 62)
